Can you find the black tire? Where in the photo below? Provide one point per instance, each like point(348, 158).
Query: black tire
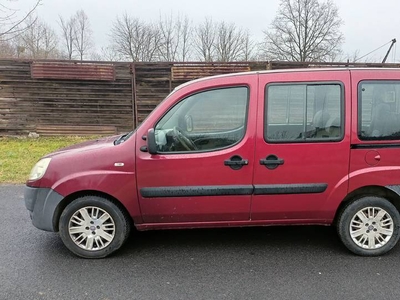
point(369, 228)
point(116, 227)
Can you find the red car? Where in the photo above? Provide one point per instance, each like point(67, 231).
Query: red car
point(315, 146)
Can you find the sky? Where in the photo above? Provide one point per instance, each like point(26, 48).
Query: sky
point(368, 24)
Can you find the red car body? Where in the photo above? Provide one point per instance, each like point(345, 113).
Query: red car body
point(187, 189)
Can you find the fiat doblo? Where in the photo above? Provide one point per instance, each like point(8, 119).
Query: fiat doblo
point(294, 147)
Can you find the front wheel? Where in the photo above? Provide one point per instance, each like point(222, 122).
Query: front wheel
point(93, 227)
point(369, 226)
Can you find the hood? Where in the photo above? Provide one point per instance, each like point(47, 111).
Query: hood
point(86, 146)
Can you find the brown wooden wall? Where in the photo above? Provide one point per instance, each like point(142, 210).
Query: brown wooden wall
point(67, 106)
point(59, 97)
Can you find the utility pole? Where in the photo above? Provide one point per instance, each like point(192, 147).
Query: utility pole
point(390, 48)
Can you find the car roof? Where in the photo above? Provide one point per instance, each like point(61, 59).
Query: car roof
point(300, 70)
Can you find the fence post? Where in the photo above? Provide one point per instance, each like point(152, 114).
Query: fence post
point(134, 104)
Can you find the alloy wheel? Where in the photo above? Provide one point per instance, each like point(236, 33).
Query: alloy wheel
point(371, 227)
point(91, 228)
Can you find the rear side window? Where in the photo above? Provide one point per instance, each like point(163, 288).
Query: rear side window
point(303, 112)
point(379, 110)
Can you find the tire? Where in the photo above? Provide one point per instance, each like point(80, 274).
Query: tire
point(93, 227)
point(369, 226)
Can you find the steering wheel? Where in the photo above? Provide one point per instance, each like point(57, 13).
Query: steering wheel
point(183, 139)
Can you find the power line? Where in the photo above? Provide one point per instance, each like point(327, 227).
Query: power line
point(373, 51)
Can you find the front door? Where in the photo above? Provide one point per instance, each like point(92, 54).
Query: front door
point(204, 166)
point(303, 146)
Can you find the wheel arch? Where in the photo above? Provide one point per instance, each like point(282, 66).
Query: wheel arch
point(73, 196)
point(387, 192)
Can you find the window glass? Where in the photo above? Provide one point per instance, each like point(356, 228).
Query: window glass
point(303, 112)
point(204, 121)
point(379, 112)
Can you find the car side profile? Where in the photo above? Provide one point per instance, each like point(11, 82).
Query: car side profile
point(287, 147)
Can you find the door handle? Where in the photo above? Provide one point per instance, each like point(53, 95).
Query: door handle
point(272, 162)
point(236, 162)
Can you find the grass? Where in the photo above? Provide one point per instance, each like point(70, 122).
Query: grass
point(18, 155)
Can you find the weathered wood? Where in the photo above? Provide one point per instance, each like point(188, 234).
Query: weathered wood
point(85, 100)
point(82, 99)
point(72, 70)
point(188, 72)
point(51, 130)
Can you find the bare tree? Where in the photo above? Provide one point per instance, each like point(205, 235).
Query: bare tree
point(11, 23)
point(7, 49)
point(334, 56)
point(168, 46)
point(353, 57)
point(175, 38)
point(77, 35)
point(304, 30)
point(38, 41)
point(232, 43)
point(135, 40)
point(204, 42)
point(83, 34)
point(68, 35)
point(249, 47)
point(222, 42)
point(185, 28)
point(107, 54)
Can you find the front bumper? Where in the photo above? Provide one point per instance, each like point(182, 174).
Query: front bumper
point(42, 204)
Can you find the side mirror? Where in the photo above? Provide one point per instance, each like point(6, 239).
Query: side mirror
point(151, 141)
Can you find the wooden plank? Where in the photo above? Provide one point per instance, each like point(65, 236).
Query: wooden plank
point(62, 84)
point(87, 104)
point(49, 130)
point(72, 99)
point(67, 70)
point(187, 72)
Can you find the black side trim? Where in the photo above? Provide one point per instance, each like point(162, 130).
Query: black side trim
point(192, 191)
point(226, 190)
point(375, 146)
point(273, 189)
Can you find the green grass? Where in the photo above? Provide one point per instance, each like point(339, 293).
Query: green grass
point(18, 155)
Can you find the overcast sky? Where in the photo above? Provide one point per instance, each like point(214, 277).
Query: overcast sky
point(368, 24)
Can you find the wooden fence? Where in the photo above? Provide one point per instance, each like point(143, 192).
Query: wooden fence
point(64, 97)
point(33, 100)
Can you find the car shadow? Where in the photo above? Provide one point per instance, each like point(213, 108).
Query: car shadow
point(282, 238)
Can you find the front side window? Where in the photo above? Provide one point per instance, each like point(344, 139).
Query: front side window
point(303, 112)
point(379, 110)
point(204, 121)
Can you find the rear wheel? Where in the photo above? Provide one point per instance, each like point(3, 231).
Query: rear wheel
point(93, 227)
point(369, 226)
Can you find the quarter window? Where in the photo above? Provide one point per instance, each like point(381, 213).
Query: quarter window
point(204, 121)
point(379, 110)
point(303, 112)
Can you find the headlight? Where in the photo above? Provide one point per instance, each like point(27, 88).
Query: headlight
point(39, 169)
